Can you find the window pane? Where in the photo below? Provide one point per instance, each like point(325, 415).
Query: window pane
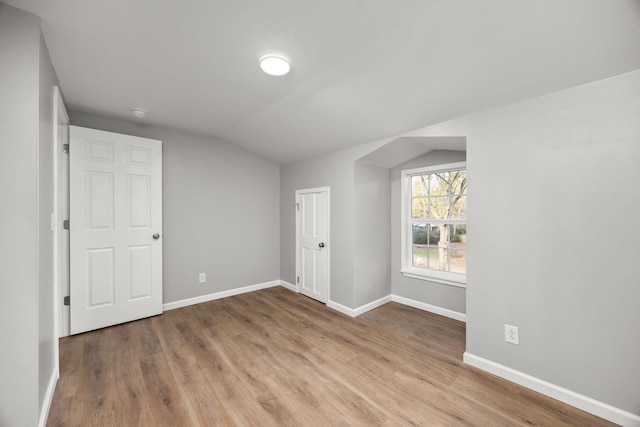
point(419, 185)
point(458, 260)
point(458, 234)
point(420, 234)
point(439, 182)
point(425, 256)
point(443, 243)
point(419, 208)
point(439, 207)
point(458, 182)
point(459, 210)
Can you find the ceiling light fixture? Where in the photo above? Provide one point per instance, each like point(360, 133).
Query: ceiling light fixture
point(275, 64)
point(138, 112)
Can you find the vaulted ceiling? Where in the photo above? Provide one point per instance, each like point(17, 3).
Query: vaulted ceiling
point(362, 70)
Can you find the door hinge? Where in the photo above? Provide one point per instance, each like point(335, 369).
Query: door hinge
point(298, 279)
point(67, 300)
point(65, 224)
point(65, 148)
point(297, 206)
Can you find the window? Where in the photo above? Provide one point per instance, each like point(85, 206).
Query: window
point(434, 223)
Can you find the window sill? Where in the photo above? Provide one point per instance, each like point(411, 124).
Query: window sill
point(432, 278)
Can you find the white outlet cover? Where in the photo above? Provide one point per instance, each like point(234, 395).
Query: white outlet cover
point(202, 277)
point(511, 334)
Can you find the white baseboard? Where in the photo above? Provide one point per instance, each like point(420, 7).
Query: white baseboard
point(355, 312)
point(569, 397)
point(217, 295)
point(341, 308)
point(431, 308)
point(288, 286)
point(48, 398)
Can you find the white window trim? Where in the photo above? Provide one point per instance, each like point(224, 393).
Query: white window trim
point(407, 269)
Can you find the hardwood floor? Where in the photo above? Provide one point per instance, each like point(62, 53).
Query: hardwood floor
point(273, 357)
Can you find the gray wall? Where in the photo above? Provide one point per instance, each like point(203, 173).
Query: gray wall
point(26, 302)
point(444, 296)
point(553, 207)
point(221, 210)
point(372, 234)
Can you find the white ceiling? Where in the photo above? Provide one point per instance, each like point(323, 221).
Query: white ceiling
point(362, 70)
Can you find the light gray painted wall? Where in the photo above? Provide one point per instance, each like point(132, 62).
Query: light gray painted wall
point(372, 234)
point(552, 246)
point(19, 303)
point(221, 210)
point(444, 296)
point(335, 170)
point(48, 334)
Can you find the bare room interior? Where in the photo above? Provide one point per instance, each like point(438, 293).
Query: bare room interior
point(392, 212)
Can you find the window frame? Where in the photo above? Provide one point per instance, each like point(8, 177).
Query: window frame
point(406, 265)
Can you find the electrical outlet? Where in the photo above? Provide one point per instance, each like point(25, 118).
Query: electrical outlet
point(202, 277)
point(511, 334)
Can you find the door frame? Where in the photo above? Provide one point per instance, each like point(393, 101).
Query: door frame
point(328, 246)
point(60, 198)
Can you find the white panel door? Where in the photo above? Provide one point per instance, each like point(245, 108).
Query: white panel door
point(312, 238)
point(115, 228)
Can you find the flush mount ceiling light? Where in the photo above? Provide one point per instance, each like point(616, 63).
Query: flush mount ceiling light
point(138, 112)
point(275, 64)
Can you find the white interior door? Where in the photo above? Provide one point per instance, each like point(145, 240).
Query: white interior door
point(312, 242)
point(115, 228)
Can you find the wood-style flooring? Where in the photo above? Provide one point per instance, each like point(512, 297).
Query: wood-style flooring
point(274, 357)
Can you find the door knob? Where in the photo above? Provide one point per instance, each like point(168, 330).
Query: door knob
point(156, 236)
point(321, 245)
